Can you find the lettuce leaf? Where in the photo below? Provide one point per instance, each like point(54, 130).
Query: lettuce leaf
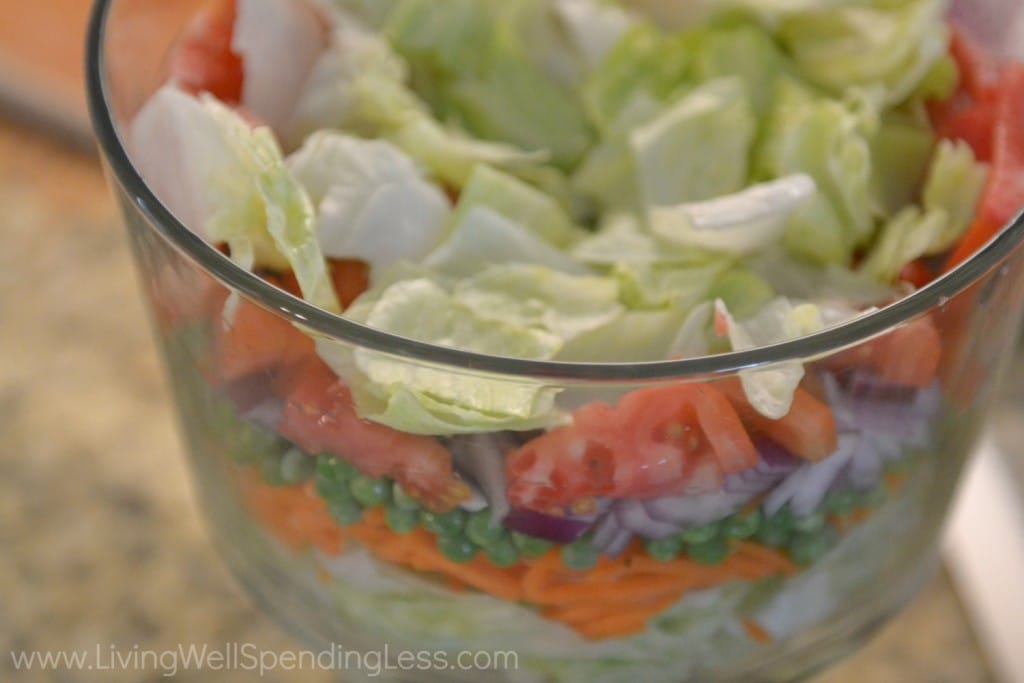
point(539, 298)
point(622, 240)
point(593, 27)
point(838, 45)
point(698, 148)
point(519, 202)
point(419, 398)
point(770, 390)
point(745, 50)
point(483, 237)
point(647, 286)
point(829, 141)
point(909, 235)
point(744, 222)
point(954, 185)
point(901, 151)
point(229, 182)
point(633, 336)
point(374, 204)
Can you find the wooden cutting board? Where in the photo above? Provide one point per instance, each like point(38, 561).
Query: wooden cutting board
point(42, 44)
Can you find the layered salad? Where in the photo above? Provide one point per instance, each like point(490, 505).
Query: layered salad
point(592, 182)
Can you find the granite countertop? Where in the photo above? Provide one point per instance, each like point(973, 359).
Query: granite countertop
point(100, 536)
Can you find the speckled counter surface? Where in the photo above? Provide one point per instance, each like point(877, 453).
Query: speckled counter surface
point(100, 541)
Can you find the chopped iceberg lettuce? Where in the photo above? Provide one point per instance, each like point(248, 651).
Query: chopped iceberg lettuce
point(279, 44)
point(483, 237)
point(594, 27)
point(519, 202)
point(651, 286)
point(770, 390)
point(539, 298)
point(371, 13)
point(828, 140)
point(838, 45)
point(416, 397)
point(640, 336)
point(744, 222)
point(745, 50)
point(237, 189)
point(374, 204)
point(909, 235)
point(698, 148)
point(831, 284)
point(621, 240)
point(954, 185)
point(645, 62)
point(900, 153)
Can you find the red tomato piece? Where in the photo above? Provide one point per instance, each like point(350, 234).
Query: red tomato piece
point(202, 60)
point(319, 416)
point(807, 431)
point(669, 440)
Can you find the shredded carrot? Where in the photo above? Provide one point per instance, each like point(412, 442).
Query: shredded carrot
point(614, 599)
point(756, 632)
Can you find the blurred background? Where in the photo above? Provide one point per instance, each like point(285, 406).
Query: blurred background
point(101, 543)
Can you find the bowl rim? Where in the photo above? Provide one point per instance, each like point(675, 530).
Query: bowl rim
point(336, 327)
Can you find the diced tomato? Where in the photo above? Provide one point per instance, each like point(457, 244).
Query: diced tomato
point(1004, 193)
point(979, 70)
point(909, 355)
point(350, 277)
point(916, 273)
point(202, 60)
point(257, 340)
point(807, 431)
point(319, 416)
point(669, 440)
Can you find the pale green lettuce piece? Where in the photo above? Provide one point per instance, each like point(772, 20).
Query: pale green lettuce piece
point(539, 298)
point(372, 13)
point(417, 397)
point(374, 203)
point(646, 62)
point(622, 240)
point(909, 235)
point(519, 202)
point(693, 338)
point(593, 27)
point(648, 286)
point(747, 51)
point(829, 141)
point(473, 59)
point(483, 237)
point(251, 201)
point(900, 154)
point(743, 291)
point(739, 223)
point(698, 148)
point(837, 45)
point(770, 390)
point(831, 285)
point(955, 184)
point(632, 337)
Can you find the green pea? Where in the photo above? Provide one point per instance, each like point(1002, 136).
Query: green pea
point(709, 552)
point(450, 523)
point(331, 490)
point(808, 548)
point(482, 531)
point(401, 521)
point(531, 546)
point(457, 548)
point(270, 470)
point(297, 467)
point(664, 549)
point(774, 531)
point(503, 552)
point(701, 534)
point(580, 554)
point(809, 523)
point(743, 525)
point(403, 500)
point(841, 503)
point(368, 491)
point(330, 468)
point(345, 511)
point(250, 446)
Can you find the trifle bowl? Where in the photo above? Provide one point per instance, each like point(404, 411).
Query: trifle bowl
point(559, 340)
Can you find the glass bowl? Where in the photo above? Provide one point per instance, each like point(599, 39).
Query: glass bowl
point(357, 557)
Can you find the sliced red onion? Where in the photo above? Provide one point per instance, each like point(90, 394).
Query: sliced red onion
point(618, 543)
point(557, 529)
point(806, 488)
point(775, 464)
point(634, 516)
point(896, 412)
